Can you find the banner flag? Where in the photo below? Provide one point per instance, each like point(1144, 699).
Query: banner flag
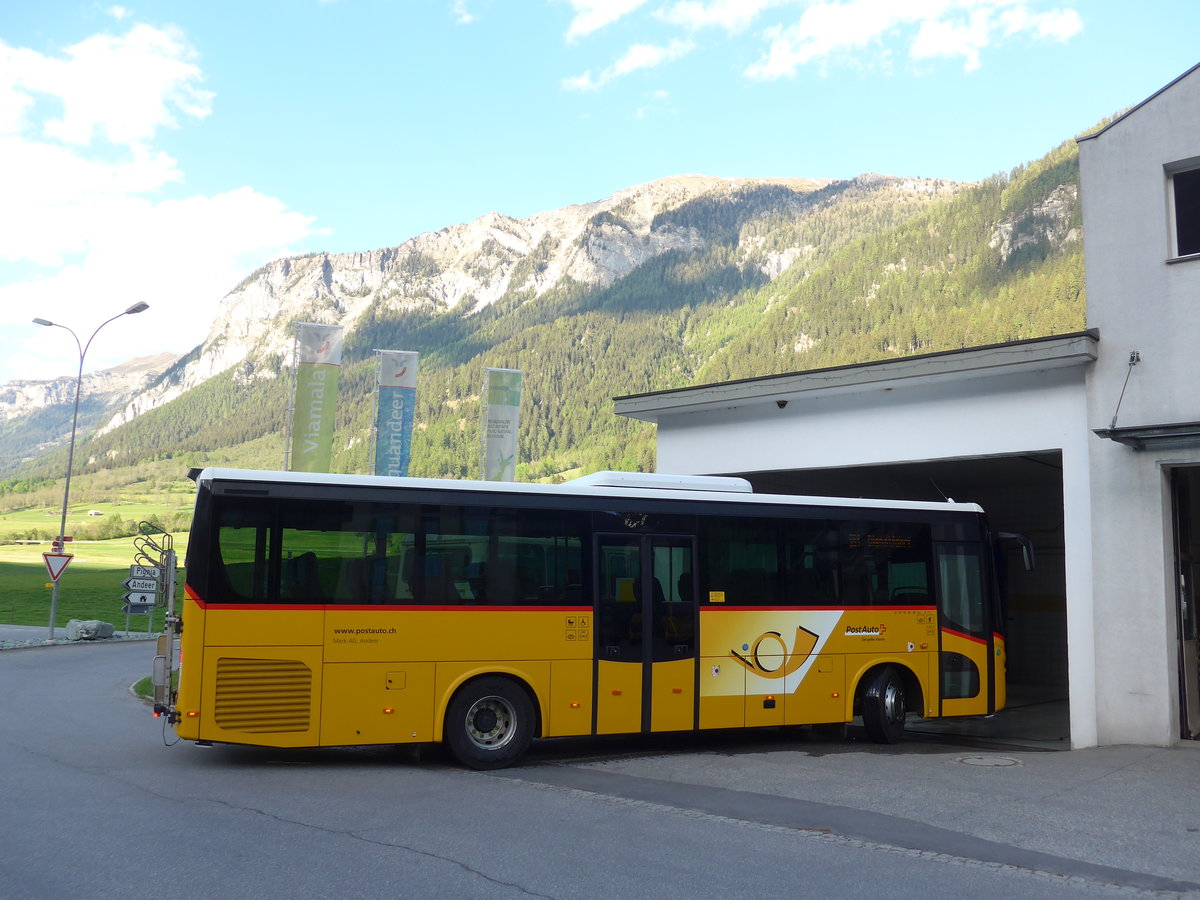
point(318, 363)
point(501, 416)
point(395, 410)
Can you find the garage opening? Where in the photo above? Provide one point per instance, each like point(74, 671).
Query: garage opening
point(1022, 494)
point(1185, 503)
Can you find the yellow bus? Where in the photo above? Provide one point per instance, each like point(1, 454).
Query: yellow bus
point(327, 610)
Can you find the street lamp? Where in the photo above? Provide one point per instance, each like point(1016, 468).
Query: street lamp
point(83, 349)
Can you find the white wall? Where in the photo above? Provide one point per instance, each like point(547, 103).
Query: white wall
point(1138, 301)
point(946, 419)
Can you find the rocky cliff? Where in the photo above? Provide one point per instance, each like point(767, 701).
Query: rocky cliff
point(35, 416)
point(463, 268)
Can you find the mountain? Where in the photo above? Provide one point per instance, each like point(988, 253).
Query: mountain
point(35, 416)
point(681, 281)
point(464, 268)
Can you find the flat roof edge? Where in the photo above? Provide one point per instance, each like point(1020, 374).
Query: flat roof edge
point(1055, 351)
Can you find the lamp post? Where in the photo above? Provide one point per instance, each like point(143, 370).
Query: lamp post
point(83, 349)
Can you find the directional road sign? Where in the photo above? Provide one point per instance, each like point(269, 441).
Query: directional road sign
point(56, 562)
point(141, 584)
point(140, 598)
point(145, 572)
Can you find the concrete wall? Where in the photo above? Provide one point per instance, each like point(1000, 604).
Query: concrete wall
point(942, 419)
point(1139, 301)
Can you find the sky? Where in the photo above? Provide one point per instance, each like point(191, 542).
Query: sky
point(160, 151)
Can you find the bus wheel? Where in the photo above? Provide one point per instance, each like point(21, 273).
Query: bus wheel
point(883, 706)
point(489, 723)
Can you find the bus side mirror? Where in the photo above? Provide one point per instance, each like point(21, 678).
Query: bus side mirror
point(1027, 555)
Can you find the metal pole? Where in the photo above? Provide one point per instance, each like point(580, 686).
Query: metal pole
point(62, 525)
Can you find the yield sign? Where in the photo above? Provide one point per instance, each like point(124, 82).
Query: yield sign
point(56, 562)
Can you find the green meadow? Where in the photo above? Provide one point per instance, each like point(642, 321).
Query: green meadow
point(91, 587)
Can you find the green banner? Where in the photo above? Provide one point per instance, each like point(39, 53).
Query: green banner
point(318, 365)
point(501, 418)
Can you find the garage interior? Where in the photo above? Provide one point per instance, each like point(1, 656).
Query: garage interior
point(1019, 493)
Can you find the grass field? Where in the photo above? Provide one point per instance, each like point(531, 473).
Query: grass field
point(81, 518)
point(91, 587)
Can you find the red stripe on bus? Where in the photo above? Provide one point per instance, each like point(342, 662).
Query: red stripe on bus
point(965, 637)
point(462, 607)
point(727, 608)
point(347, 607)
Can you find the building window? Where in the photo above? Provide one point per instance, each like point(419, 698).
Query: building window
point(1185, 196)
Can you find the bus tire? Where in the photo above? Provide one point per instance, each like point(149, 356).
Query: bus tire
point(489, 723)
point(884, 707)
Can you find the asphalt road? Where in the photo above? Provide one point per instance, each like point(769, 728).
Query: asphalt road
point(95, 806)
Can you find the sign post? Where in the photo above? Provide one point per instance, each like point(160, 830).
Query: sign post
point(141, 593)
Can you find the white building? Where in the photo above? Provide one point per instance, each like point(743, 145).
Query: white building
point(1032, 431)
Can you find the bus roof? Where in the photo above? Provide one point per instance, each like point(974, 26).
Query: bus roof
point(643, 485)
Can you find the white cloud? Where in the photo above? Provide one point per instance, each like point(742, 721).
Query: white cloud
point(179, 256)
point(93, 224)
point(124, 88)
point(965, 38)
point(461, 14)
point(1056, 25)
point(731, 15)
point(931, 28)
point(592, 15)
point(639, 56)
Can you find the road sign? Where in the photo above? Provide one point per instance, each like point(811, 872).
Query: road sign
point(145, 572)
point(139, 598)
point(56, 562)
point(141, 584)
point(137, 609)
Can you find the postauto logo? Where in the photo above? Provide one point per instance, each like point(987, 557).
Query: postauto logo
point(866, 629)
point(769, 656)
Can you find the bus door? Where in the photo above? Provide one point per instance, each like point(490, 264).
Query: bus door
point(967, 660)
point(645, 634)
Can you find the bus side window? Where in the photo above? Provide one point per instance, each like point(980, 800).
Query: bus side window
point(741, 561)
point(301, 579)
point(240, 560)
point(811, 562)
point(885, 563)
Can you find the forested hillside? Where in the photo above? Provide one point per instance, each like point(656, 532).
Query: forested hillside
point(770, 279)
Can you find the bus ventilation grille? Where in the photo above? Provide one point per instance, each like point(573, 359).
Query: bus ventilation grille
point(263, 695)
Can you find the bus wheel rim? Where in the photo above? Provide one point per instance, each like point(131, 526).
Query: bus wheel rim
point(893, 702)
point(490, 723)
